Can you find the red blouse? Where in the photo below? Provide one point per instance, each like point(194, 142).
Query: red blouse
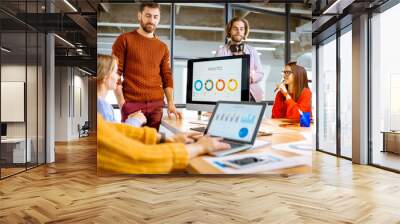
point(289, 108)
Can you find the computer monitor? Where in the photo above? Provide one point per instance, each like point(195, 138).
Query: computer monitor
point(3, 129)
point(214, 79)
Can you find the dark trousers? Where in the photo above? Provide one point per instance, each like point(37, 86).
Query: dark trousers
point(153, 110)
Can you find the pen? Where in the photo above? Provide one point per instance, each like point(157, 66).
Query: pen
point(220, 164)
point(277, 88)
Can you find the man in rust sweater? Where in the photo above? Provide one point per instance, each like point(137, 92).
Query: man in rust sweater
point(144, 63)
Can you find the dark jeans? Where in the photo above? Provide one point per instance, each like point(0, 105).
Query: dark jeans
point(153, 110)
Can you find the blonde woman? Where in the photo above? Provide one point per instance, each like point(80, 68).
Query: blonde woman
point(107, 78)
point(127, 149)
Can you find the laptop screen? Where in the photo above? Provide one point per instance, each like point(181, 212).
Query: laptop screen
point(236, 121)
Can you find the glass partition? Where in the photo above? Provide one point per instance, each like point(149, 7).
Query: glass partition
point(385, 89)
point(327, 96)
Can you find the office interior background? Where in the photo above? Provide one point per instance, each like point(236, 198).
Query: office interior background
point(48, 84)
point(55, 74)
point(354, 48)
point(48, 88)
point(197, 30)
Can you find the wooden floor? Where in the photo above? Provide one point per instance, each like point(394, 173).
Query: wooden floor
point(69, 191)
point(386, 159)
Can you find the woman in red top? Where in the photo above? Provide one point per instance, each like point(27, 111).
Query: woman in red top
point(293, 95)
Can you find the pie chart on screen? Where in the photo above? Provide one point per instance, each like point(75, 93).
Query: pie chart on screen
point(243, 132)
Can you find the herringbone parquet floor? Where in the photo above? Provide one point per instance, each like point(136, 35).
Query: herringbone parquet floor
point(69, 191)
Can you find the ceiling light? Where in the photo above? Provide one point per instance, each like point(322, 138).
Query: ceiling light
point(5, 50)
point(268, 41)
point(213, 52)
point(64, 40)
point(265, 48)
point(70, 5)
point(84, 71)
point(338, 6)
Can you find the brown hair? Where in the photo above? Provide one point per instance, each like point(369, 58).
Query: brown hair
point(152, 5)
point(105, 65)
point(237, 19)
point(300, 79)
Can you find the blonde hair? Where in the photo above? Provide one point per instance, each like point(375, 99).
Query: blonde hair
point(105, 65)
point(237, 19)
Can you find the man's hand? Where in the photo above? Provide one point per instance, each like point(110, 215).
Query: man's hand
point(120, 96)
point(252, 74)
point(172, 110)
point(121, 103)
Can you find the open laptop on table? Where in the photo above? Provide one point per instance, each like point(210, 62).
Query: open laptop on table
point(237, 123)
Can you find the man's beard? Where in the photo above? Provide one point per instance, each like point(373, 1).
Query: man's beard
point(148, 28)
point(237, 38)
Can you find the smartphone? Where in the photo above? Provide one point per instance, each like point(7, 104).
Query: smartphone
point(244, 162)
point(249, 161)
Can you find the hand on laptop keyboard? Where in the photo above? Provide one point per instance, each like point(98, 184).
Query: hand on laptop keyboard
point(233, 145)
point(206, 144)
point(186, 138)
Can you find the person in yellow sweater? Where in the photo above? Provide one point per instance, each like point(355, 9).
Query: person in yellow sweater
point(124, 148)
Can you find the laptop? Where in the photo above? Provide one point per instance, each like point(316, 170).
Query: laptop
point(237, 123)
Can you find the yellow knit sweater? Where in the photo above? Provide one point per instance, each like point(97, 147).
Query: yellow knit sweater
point(126, 149)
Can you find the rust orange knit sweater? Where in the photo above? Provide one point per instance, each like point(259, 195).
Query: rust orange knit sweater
point(145, 66)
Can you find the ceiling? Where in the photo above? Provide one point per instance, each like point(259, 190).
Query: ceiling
point(73, 22)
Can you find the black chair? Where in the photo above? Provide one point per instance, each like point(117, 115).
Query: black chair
point(84, 130)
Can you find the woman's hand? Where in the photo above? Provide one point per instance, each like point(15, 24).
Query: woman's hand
point(186, 138)
point(282, 88)
point(206, 144)
point(284, 91)
point(138, 115)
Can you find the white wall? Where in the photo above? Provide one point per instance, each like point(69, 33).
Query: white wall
point(71, 94)
point(14, 73)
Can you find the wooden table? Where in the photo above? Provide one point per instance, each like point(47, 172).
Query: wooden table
point(284, 131)
point(391, 141)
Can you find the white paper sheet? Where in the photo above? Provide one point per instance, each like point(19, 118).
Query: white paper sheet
point(282, 162)
point(300, 147)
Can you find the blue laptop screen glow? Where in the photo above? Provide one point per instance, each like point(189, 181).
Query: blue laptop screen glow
point(235, 121)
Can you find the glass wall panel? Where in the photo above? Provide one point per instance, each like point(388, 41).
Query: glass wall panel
point(327, 96)
point(301, 41)
point(346, 94)
point(13, 87)
point(22, 91)
point(269, 40)
point(200, 28)
point(121, 18)
point(385, 84)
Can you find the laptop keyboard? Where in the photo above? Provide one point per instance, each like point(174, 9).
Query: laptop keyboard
point(232, 144)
